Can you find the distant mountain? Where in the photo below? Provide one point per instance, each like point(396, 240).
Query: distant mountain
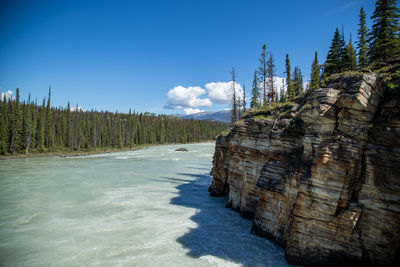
point(222, 116)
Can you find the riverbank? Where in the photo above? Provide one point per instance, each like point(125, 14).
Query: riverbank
point(69, 153)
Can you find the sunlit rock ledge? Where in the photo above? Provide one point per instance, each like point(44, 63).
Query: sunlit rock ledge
point(319, 176)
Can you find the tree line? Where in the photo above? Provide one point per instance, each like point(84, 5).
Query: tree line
point(376, 47)
point(26, 126)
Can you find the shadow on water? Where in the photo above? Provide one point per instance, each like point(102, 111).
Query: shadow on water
point(221, 232)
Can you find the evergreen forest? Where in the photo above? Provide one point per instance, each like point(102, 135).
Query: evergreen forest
point(28, 127)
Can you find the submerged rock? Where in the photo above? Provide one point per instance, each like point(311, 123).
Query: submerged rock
point(322, 177)
point(183, 149)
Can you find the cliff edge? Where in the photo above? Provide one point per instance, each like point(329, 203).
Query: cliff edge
point(319, 176)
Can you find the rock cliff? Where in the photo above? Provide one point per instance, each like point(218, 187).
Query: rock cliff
point(319, 176)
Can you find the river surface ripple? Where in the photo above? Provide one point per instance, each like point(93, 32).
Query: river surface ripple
point(148, 207)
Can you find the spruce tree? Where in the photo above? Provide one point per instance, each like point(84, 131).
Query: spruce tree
point(27, 126)
point(119, 142)
point(315, 73)
point(244, 98)
point(384, 42)
point(262, 73)
point(239, 106)
point(68, 128)
point(34, 109)
point(49, 123)
point(297, 81)
point(350, 59)
point(255, 93)
point(288, 72)
point(41, 126)
point(362, 43)
point(234, 100)
point(4, 127)
point(271, 74)
point(16, 141)
point(336, 54)
point(282, 92)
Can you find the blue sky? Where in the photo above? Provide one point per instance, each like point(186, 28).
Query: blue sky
point(157, 55)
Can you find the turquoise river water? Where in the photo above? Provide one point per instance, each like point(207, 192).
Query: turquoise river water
point(147, 207)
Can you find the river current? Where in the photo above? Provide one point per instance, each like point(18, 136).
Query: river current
point(148, 207)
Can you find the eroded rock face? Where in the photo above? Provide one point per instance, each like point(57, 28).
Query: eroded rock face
point(322, 179)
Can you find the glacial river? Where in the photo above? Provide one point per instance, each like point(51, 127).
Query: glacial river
point(148, 207)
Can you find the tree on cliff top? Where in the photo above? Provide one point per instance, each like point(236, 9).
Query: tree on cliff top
point(255, 93)
point(271, 74)
point(288, 72)
point(350, 58)
point(282, 96)
point(297, 81)
point(315, 73)
point(262, 73)
point(362, 43)
point(384, 42)
point(234, 101)
point(336, 54)
point(244, 98)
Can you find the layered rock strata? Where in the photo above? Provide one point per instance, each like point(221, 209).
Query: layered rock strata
point(321, 176)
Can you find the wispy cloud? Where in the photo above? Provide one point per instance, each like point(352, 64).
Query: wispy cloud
point(344, 7)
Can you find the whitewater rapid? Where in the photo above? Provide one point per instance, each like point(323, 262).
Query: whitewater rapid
point(148, 207)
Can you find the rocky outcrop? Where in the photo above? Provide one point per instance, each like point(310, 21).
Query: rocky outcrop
point(320, 176)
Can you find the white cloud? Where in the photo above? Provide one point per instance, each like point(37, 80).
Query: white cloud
point(8, 94)
point(190, 111)
point(182, 97)
point(221, 92)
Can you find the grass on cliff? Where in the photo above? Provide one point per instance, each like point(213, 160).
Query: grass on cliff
point(270, 111)
point(388, 71)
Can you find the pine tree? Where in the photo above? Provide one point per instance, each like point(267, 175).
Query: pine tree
point(41, 126)
point(288, 72)
point(4, 127)
point(282, 92)
point(350, 59)
point(315, 73)
point(362, 43)
point(262, 73)
point(68, 138)
point(34, 109)
point(234, 100)
point(239, 106)
point(27, 126)
point(336, 54)
point(297, 81)
point(49, 124)
point(271, 74)
point(16, 142)
point(244, 98)
point(255, 93)
point(119, 142)
point(384, 41)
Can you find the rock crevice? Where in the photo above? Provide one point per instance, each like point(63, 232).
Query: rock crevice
point(322, 177)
